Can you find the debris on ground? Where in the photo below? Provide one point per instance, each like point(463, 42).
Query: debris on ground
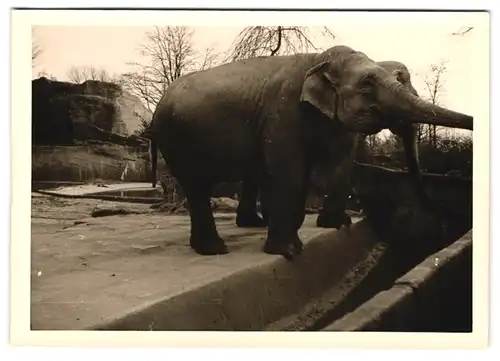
point(219, 204)
point(104, 210)
point(75, 223)
point(100, 183)
point(224, 204)
point(171, 208)
point(146, 248)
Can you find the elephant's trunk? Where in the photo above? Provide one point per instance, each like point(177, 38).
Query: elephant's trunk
point(406, 105)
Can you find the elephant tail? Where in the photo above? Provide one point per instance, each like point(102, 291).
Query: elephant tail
point(154, 160)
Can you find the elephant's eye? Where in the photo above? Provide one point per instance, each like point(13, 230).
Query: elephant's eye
point(400, 78)
point(366, 87)
point(366, 84)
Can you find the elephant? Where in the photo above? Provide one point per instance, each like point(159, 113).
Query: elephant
point(332, 214)
point(269, 121)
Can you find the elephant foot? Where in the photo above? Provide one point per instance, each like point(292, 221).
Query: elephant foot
point(330, 221)
point(205, 247)
point(289, 250)
point(252, 220)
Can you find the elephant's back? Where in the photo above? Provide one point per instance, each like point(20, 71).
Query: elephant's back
point(230, 77)
point(241, 74)
point(238, 87)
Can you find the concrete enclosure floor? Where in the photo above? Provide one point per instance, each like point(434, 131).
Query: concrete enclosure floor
point(86, 270)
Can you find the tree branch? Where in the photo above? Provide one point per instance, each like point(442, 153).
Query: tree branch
point(168, 53)
point(256, 41)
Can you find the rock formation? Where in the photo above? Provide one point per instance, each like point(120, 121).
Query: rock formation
point(85, 131)
point(63, 113)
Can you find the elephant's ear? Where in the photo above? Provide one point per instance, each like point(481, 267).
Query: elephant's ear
point(319, 89)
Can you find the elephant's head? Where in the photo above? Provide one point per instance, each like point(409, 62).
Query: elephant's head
point(398, 72)
point(362, 96)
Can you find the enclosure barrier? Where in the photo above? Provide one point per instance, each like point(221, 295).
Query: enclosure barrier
point(435, 296)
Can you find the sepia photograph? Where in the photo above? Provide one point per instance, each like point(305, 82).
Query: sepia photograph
point(252, 171)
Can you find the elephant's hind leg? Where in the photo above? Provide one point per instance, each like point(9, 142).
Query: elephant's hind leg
point(246, 214)
point(205, 239)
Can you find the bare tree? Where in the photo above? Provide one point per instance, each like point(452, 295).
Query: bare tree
point(35, 53)
point(256, 41)
point(36, 50)
point(169, 53)
point(434, 86)
point(372, 141)
point(463, 31)
point(83, 73)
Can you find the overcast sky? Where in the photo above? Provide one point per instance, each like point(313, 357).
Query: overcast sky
point(417, 39)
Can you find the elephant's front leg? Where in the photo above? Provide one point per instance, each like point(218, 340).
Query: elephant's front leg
point(282, 237)
point(246, 214)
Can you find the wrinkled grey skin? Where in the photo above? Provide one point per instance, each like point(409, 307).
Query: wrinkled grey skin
point(338, 188)
point(269, 121)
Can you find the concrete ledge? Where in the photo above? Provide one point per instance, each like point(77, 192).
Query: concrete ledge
point(435, 293)
point(97, 195)
point(254, 297)
point(318, 310)
point(437, 265)
point(81, 189)
point(93, 191)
